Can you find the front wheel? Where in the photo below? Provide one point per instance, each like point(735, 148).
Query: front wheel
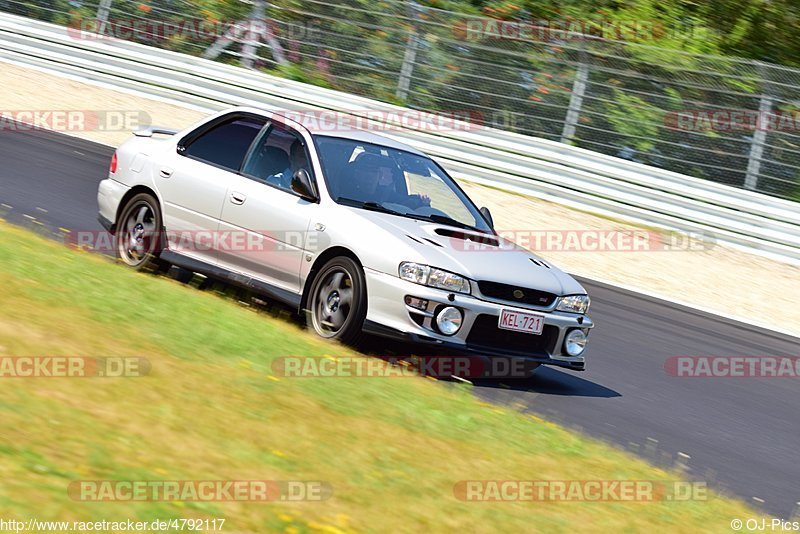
point(339, 300)
point(139, 232)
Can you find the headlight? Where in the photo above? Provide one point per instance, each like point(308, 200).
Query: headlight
point(433, 277)
point(574, 304)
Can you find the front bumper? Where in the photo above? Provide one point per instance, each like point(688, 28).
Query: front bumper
point(389, 315)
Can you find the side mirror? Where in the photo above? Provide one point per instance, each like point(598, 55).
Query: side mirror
point(301, 184)
point(488, 216)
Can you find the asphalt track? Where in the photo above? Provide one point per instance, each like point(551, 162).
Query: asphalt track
point(740, 434)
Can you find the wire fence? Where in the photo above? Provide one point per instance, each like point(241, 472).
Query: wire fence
point(727, 120)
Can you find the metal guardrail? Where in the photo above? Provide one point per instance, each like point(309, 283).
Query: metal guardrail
point(514, 162)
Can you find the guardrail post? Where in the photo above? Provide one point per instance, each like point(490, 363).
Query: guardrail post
point(759, 135)
point(576, 99)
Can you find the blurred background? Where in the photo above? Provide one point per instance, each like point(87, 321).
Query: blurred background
point(604, 75)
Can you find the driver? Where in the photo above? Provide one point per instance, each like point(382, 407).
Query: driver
point(366, 180)
point(377, 181)
point(394, 193)
point(297, 161)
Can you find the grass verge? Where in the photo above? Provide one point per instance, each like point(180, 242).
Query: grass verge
point(392, 449)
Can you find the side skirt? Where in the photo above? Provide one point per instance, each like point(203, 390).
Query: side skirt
point(268, 290)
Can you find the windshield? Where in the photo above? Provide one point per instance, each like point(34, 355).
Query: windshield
point(394, 181)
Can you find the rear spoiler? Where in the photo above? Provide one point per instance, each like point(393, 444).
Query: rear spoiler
point(153, 130)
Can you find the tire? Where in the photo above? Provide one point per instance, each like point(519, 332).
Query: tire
point(338, 301)
point(139, 232)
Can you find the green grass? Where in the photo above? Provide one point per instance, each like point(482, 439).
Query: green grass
point(392, 449)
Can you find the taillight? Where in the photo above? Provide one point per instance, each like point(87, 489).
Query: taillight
point(113, 167)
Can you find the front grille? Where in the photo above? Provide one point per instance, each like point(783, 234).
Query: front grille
point(534, 297)
point(486, 334)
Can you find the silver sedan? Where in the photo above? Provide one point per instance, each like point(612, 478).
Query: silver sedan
point(359, 232)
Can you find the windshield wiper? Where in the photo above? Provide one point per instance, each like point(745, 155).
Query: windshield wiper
point(442, 219)
point(374, 206)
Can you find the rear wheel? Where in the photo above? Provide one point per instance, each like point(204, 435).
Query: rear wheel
point(338, 303)
point(139, 232)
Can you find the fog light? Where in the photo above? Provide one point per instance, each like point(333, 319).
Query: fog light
point(575, 342)
point(416, 302)
point(449, 320)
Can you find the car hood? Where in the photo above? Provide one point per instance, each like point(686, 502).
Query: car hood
point(472, 254)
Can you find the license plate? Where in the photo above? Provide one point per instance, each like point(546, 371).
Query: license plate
point(530, 323)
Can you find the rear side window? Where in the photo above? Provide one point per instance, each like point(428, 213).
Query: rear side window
point(226, 144)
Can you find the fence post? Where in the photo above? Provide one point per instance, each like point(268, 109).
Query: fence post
point(759, 134)
point(103, 10)
point(266, 33)
point(251, 36)
point(576, 98)
point(254, 28)
point(410, 57)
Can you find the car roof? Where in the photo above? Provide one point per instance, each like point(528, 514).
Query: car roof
point(365, 136)
point(355, 134)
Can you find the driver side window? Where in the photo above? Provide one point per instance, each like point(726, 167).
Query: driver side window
point(276, 157)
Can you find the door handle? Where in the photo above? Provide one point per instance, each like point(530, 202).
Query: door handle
point(238, 198)
point(165, 172)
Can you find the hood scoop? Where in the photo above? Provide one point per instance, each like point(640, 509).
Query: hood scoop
point(464, 236)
